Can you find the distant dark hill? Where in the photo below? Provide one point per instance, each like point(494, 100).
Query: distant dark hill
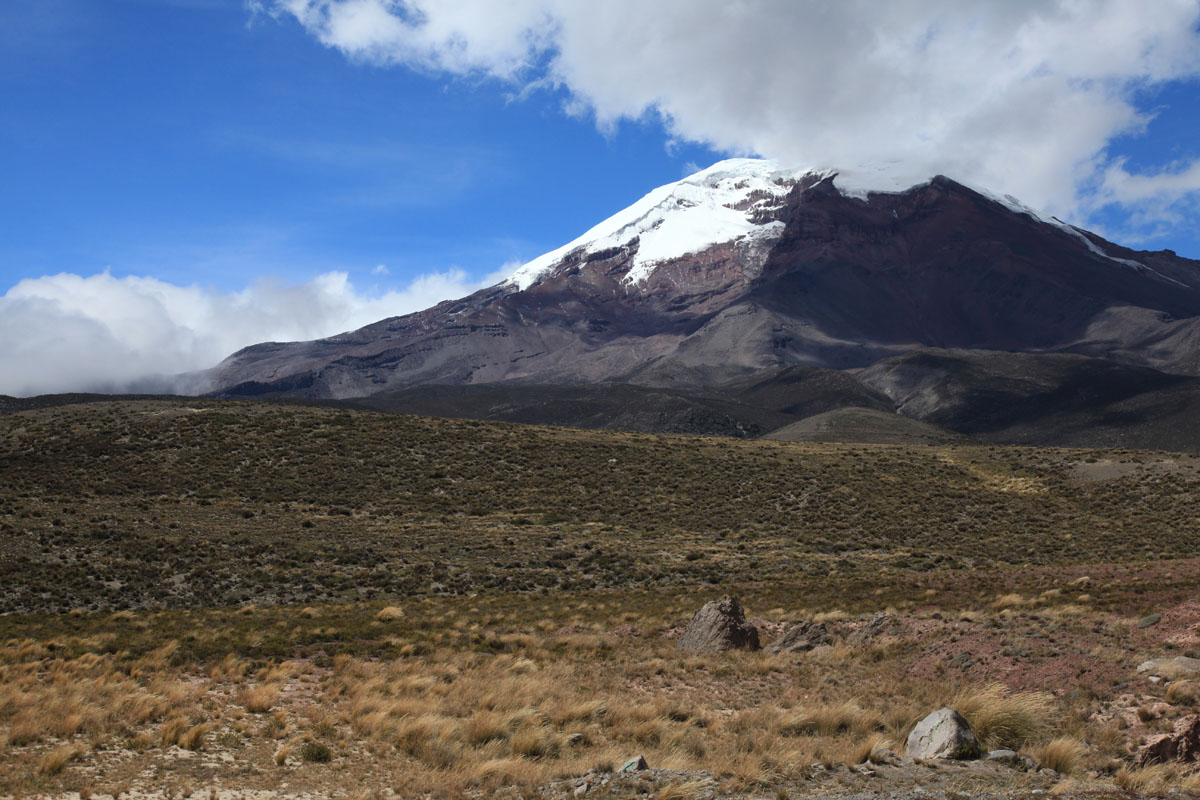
point(754, 406)
point(1047, 399)
point(595, 406)
point(10, 405)
point(868, 426)
point(806, 391)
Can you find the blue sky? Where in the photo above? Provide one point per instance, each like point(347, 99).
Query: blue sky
point(187, 141)
point(185, 177)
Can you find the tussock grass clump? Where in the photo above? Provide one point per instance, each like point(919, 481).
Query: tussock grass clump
point(830, 720)
point(497, 772)
point(194, 737)
point(487, 726)
point(230, 668)
point(390, 614)
point(53, 762)
point(174, 728)
point(1063, 755)
point(688, 790)
point(1003, 719)
point(1008, 601)
point(536, 743)
point(1157, 779)
point(1183, 693)
point(258, 699)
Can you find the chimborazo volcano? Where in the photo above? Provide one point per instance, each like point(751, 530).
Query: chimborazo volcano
point(761, 292)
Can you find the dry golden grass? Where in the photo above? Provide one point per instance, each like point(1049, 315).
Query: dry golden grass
point(172, 729)
point(1007, 601)
point(85, 695)
point(1158, 779)
point(53, 762)
point(390, 614)
point(193, 738)
point(1183, 693)
point(688, 790)
point(231, 668)
point(475, 696)
point(1064, 755)
point(258, 699)
point(1003, 719)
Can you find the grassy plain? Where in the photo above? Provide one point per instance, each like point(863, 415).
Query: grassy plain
point(203, 596)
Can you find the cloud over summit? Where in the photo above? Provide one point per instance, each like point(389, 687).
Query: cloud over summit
point(1021, 96)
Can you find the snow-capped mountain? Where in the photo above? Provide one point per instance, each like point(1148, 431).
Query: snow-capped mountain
point(749, 266)
point(732, 201)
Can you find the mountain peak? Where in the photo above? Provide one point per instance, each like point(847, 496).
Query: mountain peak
point(733, 201)
point(750, 265)
point(730, 201)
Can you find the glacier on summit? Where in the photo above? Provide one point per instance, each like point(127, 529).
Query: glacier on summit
point(730, 202)
point(710, 207)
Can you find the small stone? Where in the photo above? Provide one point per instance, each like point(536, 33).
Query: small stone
point(942, 734)
point(1049, 773)
point(635, 764)
point(581, 789)
point(575, 739)
point(1006, 756)
point(1149, 621)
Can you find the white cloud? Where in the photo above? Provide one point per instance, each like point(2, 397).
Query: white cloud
point(1021, 96)
point(67, 332)
point(381, 269)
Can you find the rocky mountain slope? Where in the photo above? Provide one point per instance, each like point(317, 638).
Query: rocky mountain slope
point(744, 267)
point(717, 288)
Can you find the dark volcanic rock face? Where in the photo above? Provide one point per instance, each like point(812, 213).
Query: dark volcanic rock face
point(812, 277)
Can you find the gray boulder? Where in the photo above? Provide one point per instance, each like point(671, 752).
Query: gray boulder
point(719, 626)
point(943, 734)
point(800, 638)
point(1172, 668)
point(880, 624)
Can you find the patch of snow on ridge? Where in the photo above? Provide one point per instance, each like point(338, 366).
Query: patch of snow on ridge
point(710, 207)
point(1013, 204)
